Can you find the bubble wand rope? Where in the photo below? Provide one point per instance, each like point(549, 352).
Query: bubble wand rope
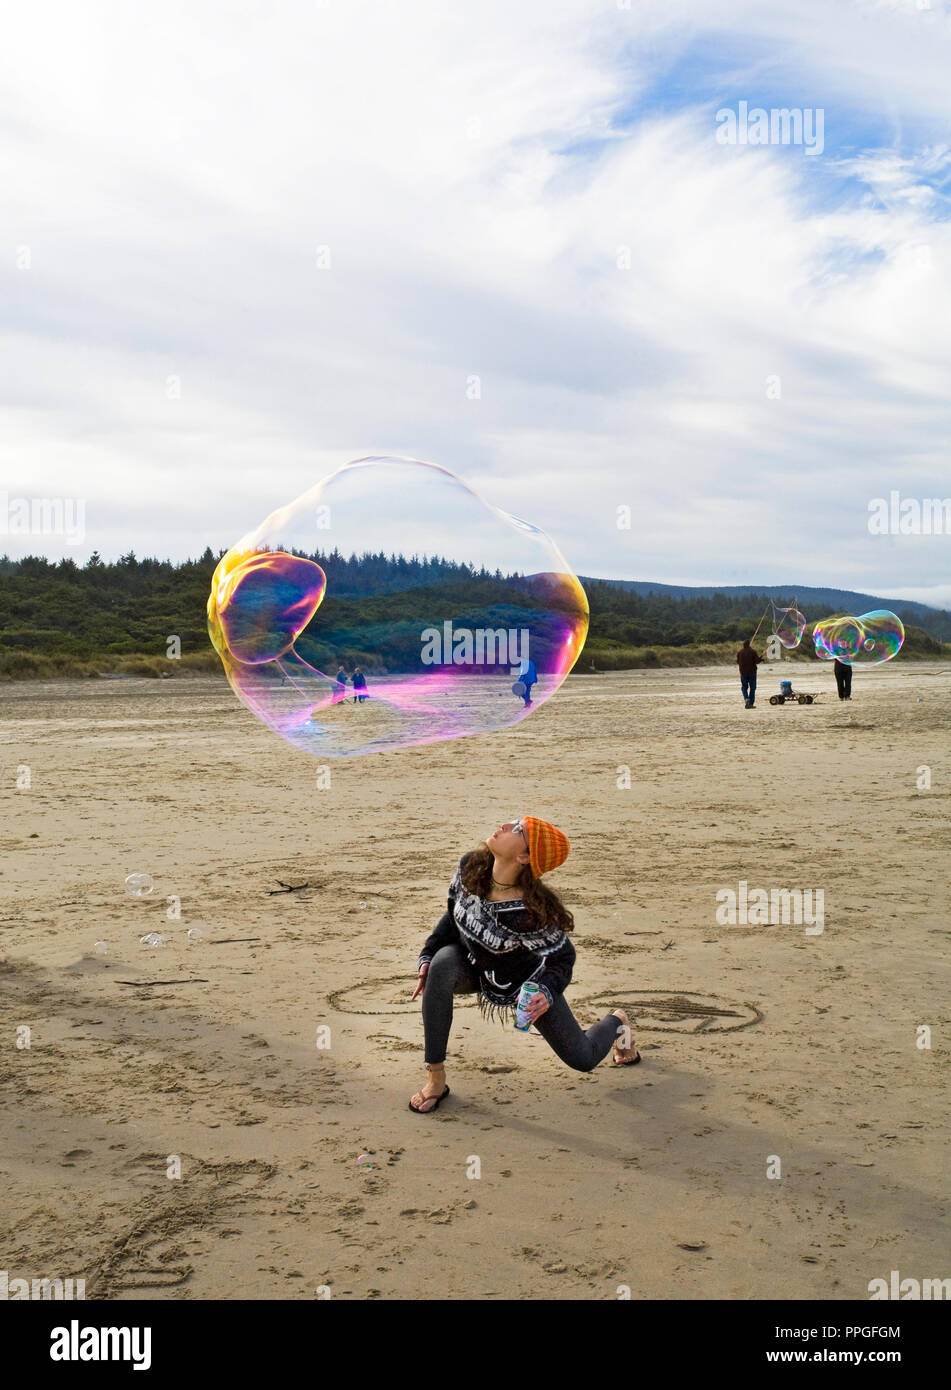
point(760, 623)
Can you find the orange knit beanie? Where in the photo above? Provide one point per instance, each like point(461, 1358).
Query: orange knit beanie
point(547, 846)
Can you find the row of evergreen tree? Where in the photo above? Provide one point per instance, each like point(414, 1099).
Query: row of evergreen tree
point(131, 605)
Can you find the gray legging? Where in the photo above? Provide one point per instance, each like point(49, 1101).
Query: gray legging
point(450, 973)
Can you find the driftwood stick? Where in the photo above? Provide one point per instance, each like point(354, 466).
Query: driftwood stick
point(162, 982)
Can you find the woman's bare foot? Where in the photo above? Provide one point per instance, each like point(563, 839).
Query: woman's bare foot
point(625, 1056)
point(428, 1096)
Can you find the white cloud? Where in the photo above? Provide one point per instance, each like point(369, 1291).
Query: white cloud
point(938, 595)
point(173, 170)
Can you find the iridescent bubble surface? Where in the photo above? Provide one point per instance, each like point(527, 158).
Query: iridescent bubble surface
point(265, 602)
point(788, 625)
point(864, 641)
point(400, 573)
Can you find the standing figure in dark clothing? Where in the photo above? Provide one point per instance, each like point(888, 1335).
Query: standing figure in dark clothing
point(747, 659)
point(359, 685)
point(340, 684)
point(843, 678)
point(501, 920)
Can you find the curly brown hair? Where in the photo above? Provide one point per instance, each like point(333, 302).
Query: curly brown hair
point(541, 901)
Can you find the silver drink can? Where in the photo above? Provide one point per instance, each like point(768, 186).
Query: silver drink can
point(522, 1021)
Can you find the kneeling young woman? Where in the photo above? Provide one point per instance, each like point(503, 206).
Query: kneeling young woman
point(503, 926)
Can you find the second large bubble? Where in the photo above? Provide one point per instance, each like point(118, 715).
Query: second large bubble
point(866, 640)
point(391, 606)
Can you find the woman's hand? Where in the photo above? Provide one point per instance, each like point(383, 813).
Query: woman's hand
point(537, 1006)
point(421, 983)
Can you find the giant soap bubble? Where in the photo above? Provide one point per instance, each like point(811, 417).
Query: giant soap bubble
point(399, 572)
point(788, 626)
point(862, 641)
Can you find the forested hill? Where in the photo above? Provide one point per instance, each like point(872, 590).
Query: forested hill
point(813, 602)
point(59, 618)
point(661, 616)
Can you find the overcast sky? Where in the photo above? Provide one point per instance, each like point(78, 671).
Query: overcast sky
point(771, 353)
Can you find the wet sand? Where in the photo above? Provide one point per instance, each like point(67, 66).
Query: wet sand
point(759, 1042)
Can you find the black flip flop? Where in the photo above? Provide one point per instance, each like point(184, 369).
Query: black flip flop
point(439, 1100)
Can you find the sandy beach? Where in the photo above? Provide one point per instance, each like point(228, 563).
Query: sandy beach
point(759, 1042)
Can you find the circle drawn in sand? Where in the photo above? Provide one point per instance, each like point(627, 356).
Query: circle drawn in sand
point(655, 1010)
point(678, 1011)
point(387, 996)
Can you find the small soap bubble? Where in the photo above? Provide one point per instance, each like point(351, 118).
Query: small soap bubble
point(153, 939)
point(139, 885)
point(365, 1163)
point(869, 639)
point(399, 623)
point(100, 948)
point(194, 933)
point(363, 907)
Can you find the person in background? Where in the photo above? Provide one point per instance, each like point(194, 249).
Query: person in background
point(340, 684)
point(747, 659)
point(528, 676)
point(359, 685)
point(843, 678)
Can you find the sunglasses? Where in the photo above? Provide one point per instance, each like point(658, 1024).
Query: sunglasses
point(516, 828)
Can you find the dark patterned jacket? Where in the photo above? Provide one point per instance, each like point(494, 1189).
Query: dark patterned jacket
point(503, 945)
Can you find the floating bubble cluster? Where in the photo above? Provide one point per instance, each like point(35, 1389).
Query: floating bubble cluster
point(788, 625)
point(862, 641)
point(428, 597)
